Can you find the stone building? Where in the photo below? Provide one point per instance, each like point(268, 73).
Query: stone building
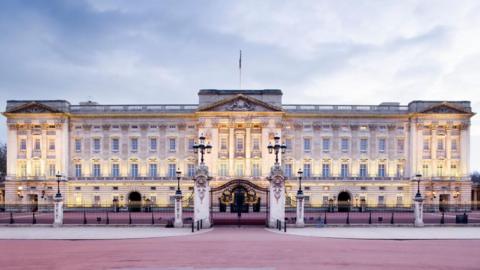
point(358, 155)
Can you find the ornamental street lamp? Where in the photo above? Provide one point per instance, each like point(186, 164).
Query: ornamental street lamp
point(276, 148)
point(59, 178)
point(179, 175)
point(300, 191)
point(418, 179)
point(202, 147)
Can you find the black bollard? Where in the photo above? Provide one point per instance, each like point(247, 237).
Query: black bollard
point(285, 228)
point(11, 218)
point(108, 219)
point(348, 218)
point(129, 218)
point(370, 218)
point(392, 219)
point(34, 219)
point(198, 225)
point(193, 226)
point(84, 217)
point(442, 220)
point(325, 218)
point(153, 219)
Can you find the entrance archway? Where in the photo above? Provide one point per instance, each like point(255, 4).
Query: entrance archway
point(134, 201)
point(344, 201)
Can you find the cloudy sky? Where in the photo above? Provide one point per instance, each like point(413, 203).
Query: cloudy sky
point(326, 52)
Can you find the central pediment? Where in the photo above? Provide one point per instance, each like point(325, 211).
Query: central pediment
point(240, 103)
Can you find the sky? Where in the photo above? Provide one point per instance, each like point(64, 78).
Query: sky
point(323, 52)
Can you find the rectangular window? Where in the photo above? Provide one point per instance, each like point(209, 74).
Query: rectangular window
point(153, 144)
point(37, 145)
point(381, 200)
point(400, 145)
point(400, 170)
point(439, 170)
point(223, 171)
point(426, 145)
point(134, 144)
point(78, 145)
point(152, 170)
point(172, 170)
point(239, 145)
point(78, 170)
point(36, 168)
point(363, 170)
point(191, 170)
point(288, 143)
point(23, 145)
point(134, 170)
point(344, 144)
point(223, 143)
point(326, 170)
point(115, 170)
point(256, 170)
point(454, 145)
point(326, 145)
point(440, 144)
point(191, 142)
point(115, 144)
point(399, 201)
point(381, 170)
point(307, 144)
point(239, 170)
point(425, 171)
point(307, 170)
point(23, 169)
point(96, 170)
point(96, 200)
point(288, 170)
point(51, 170)
point(344, 170)
point(51, 145)
point(172, 144)
point(382, 145)
point(256, 144)
point(363, 145)
point(96, 145)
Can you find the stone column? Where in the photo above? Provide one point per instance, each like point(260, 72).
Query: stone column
point(202, 196)
point(178, 210)
point(300, 210)
point(418, 203)
point(277, 196)
point(58, 211)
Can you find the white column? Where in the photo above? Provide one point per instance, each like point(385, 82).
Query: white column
point(300, 210)
point(248, 148)
point(464, 150)
point(277, 196)
point(231, 151)
point(12, 146)
point(58, 211)
point(202, 196)
point(178, 211)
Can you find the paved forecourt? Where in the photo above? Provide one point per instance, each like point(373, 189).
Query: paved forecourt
point(90, 232)
point(390, 232)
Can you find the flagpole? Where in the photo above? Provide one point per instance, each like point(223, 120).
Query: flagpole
point(240, 71)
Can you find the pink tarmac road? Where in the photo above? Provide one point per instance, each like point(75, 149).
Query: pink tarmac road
point(239, 248)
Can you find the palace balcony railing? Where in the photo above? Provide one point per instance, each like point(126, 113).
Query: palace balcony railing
point(127, 178)
point(393, 109)
point(133, 108)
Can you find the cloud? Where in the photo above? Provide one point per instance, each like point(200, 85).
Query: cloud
point(361, 52)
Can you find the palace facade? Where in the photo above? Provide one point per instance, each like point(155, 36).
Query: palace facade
point(362, 155)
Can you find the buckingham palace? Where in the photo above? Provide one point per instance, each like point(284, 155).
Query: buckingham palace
point(359, 155)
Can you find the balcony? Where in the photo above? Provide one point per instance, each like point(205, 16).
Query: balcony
point(357, 178)
point(126, 178)
point(132, 109)
point(357, 109)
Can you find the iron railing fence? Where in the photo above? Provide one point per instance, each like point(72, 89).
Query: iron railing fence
point(433, 214)
point(106, 215)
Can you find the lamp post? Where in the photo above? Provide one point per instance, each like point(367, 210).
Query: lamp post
point(202, 147)
point(178, 223)
point(300, 173)
point(58, 204)
point(418, 202)
point(59, 178)
point(300, 222)
point(276, 148)
point(179, 176)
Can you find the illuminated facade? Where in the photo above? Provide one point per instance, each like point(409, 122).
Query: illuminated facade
point(363, 155)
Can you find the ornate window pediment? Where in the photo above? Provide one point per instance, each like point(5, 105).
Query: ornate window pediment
point(444, 108)
point(33, 107)
point(240, 103)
